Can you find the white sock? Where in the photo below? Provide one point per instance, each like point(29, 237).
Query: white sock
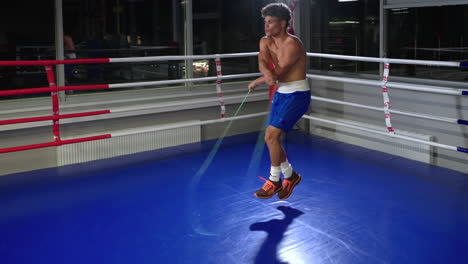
point(275, 173)
point(286, 168)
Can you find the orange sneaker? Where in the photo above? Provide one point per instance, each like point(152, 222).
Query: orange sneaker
point(289, 184)
point(268, 189)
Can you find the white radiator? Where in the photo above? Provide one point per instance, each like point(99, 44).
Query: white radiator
point(394, 146)
point(124, 145)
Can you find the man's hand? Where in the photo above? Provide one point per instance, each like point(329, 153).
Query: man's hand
point(252, 85)
point(260, 80)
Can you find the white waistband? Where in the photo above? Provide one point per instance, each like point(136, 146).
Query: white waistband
point(295, 86)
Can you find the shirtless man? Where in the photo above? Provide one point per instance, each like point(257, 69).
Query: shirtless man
point(291, 100)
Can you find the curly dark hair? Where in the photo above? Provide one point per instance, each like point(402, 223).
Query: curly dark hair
point(278, 10)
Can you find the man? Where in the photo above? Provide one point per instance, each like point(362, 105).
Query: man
point(69, 54)
point(68, 47)
point(291, 100)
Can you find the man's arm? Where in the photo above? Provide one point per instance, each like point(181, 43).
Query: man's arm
point(263, 59)
point(292, 53)
point(256, 82)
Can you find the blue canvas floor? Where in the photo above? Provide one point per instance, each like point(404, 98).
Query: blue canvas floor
point(352, 206)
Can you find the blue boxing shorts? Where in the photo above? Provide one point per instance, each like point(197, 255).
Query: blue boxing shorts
point(290, 103)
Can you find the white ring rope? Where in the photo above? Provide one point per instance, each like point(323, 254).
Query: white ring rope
point(381, 133)
point(197, 123)
point(181, 57)
point(173, 104)
point(204, 79)
point(394, 111)
point(396, 85)
point(319, 55)
point(385, 60)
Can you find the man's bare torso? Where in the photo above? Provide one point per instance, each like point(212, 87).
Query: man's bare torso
point(277, 53)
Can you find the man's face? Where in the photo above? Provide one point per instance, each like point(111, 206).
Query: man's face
point(273, 26)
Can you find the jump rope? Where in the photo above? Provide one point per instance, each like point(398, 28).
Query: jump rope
point(192, 212)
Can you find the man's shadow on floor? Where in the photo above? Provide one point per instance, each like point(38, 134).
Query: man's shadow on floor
point(275, 229)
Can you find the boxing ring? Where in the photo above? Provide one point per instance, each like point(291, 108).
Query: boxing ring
point(194, 203)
